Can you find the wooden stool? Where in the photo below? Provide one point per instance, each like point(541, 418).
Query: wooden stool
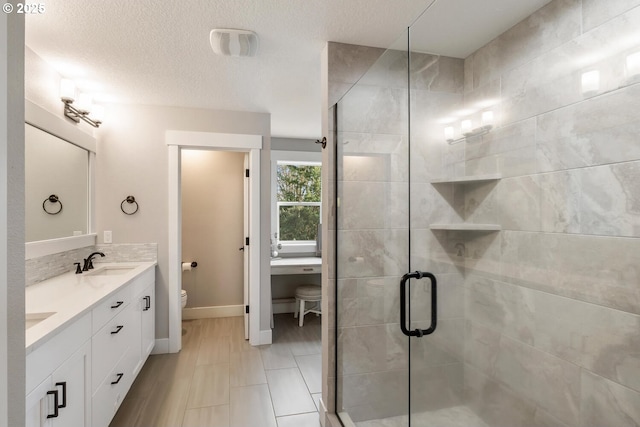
point(305, 294)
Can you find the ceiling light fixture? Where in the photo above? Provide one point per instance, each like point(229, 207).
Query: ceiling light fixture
point(230, 42)
point(82, 110)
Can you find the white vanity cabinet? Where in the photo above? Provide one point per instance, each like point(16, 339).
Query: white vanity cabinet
point(117, 346)
point(147, 307)
point(59, 379)
point(79, 372)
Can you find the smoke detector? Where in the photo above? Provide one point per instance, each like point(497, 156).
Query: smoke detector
point(229, 42)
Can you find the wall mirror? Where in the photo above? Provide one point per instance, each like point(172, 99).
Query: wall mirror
point(59, 162)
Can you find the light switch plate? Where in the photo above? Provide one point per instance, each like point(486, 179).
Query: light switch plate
point(108, 237)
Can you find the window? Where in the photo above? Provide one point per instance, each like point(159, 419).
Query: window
point(296, 201)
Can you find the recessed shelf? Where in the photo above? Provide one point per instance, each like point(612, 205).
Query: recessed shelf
point(466, 227)
point(468, 179)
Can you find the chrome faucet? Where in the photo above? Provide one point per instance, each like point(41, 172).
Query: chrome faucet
point(88, 262)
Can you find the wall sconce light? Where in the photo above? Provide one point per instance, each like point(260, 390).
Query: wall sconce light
point(82, 109)
point(467, 131)
point(633, 65)
point(590, 82)
point(448, 133)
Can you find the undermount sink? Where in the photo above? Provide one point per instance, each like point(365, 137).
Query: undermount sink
point(32, 319)
point(111, 270)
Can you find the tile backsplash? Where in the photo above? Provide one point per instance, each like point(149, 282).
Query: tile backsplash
point(46, 267)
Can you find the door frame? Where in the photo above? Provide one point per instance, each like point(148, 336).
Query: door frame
point(176, 141)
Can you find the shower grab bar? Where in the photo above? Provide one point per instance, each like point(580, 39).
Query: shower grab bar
point(403, 304)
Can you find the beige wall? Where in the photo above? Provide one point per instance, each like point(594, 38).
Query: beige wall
point(132, 159)
point(213, 227)
point(12, 356)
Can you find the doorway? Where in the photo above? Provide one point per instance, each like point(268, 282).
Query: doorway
point(178, 141)
point(213, 232)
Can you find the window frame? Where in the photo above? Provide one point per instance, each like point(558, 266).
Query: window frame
point(302, 158)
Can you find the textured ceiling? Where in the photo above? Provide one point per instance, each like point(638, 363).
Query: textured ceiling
point(158, 53)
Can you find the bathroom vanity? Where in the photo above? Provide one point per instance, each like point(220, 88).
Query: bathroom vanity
point(87, 337)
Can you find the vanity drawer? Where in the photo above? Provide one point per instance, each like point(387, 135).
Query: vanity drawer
point(108, 397)
point(296, 269)
point(111, 306)
point(111, 342)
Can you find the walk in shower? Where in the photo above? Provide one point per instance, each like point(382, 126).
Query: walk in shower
point(510, 174)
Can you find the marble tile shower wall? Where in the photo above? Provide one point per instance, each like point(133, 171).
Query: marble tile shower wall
point(46, 267)
point(552, 302)
point(373, 240)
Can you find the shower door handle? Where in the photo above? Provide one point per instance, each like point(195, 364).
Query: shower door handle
point(403, 304)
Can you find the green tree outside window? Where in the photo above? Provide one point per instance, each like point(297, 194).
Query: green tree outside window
point(299, 200)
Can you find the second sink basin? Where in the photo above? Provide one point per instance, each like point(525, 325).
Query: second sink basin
point(111, 270)
point(32, 319)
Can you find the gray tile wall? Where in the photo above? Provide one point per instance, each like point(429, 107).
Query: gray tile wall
point(373, 220)
point(540, 322)
point(553, 301)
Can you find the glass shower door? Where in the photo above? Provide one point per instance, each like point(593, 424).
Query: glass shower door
point(372, 238)
point(436, 302)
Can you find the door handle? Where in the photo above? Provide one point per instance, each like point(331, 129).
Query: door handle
point(403, 304)
point(55, 404)
point(63, 384)
point(118, 380)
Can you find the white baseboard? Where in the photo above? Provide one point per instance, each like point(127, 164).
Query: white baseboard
point(161, 346)
point(287, 307)
point(212, 312)
point(266, 337)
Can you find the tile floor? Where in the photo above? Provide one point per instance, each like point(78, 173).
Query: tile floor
point(219, 380)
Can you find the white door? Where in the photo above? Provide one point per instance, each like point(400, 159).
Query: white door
point(247, 248)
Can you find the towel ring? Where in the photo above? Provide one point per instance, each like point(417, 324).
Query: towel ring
point(52, 199)
point(130, 200)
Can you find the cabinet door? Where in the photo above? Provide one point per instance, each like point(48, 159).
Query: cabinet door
point(39, 404)
point(72, 380)
point(148, 320)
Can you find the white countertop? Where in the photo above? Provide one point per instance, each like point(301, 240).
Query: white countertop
point(70, 296)
point(295, 261)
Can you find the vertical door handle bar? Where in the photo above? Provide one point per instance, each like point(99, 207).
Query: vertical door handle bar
point(63, 384)
point(55, 404)
point(403, 304)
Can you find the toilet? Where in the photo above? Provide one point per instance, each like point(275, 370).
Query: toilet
point(183, 297)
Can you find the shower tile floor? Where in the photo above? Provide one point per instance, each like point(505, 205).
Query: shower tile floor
point(457, 416)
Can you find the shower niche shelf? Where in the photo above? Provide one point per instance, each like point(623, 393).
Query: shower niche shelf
point(469, 179)
point(465, 226)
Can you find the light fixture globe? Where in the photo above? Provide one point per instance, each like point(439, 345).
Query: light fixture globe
point(230, 42)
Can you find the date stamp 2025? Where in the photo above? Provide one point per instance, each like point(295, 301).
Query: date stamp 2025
point(24, 8)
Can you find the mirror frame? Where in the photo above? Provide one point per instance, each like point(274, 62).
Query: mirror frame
point(44, 120)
